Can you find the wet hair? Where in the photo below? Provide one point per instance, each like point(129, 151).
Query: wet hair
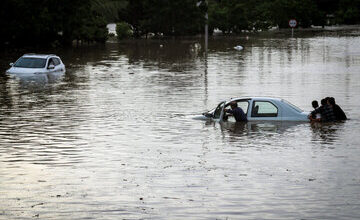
point(323, 102)
point(331, 100)
point(233, 104)
point(315, 104)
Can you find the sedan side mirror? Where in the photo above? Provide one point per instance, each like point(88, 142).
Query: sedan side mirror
point(51, 66)
point(11, 64)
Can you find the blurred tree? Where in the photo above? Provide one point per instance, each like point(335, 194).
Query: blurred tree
point(123, 30)
point(238, 15)
point(111, 10)
point(304, 11)
point(39, 22)
point(327, 6)
point(136, 12)
point(176, 17)
point(42, 22)
point(348, 12)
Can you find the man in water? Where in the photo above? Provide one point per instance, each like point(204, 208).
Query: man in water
point(338, 112)
point(237, 112)
point(325, 110)
point(315, 105)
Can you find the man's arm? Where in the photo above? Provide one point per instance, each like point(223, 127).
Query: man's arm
point(229, 111)
point(313, 113)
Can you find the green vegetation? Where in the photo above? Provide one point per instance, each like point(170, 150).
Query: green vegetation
point(55, 22)
point(123, 30)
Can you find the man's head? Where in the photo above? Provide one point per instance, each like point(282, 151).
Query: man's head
point(233, 105)
point(331, 101)
point(323, 102)
point(315, 104)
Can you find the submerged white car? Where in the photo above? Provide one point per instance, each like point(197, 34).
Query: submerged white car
point(30, 64)
point(258, 109)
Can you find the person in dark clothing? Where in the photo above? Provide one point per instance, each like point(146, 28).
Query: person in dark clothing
point(338, 112)
point(315, 104)
point(237, 112)
point(326, 111)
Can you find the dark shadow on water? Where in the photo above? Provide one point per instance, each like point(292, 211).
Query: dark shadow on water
point(326, 133)
point(251, 128)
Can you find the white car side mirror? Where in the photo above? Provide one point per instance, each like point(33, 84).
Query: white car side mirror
point(11, 64)
point(51, 66)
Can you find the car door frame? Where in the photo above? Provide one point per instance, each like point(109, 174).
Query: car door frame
point(264, 118)
point(237, 100)
point(60, 67)
point(221, 112)
point(47, 66)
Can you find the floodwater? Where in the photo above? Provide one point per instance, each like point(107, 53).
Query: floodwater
point(113, 138)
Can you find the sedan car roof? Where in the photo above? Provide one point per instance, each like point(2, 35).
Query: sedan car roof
point(44, 56)
point(256, 98)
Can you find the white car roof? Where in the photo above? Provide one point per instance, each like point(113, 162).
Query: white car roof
point(257, 98)
point(288, 104)
point(44, 56)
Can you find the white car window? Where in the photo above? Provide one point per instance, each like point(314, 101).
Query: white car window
point(243, 105)
point(56, 61)
point(51, 62)
point(264, 109)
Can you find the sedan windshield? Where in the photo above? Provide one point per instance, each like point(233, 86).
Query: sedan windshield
point(27, 62)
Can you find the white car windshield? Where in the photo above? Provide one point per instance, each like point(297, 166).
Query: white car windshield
point(28, 62)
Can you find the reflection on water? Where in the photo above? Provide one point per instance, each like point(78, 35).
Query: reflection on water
point(36, 81)
point(112, 137)
point(259, 127)
point(326, 133)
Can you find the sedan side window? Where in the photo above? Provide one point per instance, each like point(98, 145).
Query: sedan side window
point(244, 106)
point(264, 109)
point(51, 62)
point(56, 61)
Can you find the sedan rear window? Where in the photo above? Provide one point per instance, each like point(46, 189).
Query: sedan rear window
point(28, 62)
point(293, 106)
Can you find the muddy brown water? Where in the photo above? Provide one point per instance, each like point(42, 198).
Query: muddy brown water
point(113, 138)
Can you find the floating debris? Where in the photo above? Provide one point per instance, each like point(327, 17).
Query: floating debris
point(37, 205)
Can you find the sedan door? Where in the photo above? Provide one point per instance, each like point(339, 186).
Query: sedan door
point(264, 110)
point(219, 112)
point(50, 63)
point(59, 67)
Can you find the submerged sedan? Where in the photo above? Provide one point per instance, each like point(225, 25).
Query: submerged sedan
point(258, 109)
point(30, 64)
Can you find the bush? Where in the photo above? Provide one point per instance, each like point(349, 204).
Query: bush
point(123, 30)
